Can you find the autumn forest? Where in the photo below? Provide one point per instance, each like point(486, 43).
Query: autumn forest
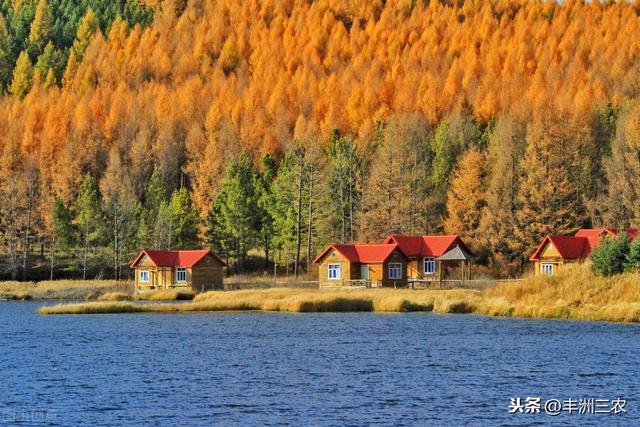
point(266, 129)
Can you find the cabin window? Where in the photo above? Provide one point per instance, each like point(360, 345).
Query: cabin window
point(334, 272)
point(547, 269)
point(429, 265)
point(144, 276)
point(181, 274)
point(395, 270)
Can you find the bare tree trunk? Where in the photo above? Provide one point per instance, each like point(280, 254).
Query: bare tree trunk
point(299, 214)
point(27, 237)
point(310, 218)
point(53, 245)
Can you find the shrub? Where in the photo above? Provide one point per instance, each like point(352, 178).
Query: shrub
point(610, 256)
point(632, 263)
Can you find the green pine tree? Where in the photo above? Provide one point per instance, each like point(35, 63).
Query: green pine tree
point(610, 256)
point(632, 263)
point(233, 221)
point(88, 217)
point(184, 220)
point(61, 230)
point(50, 60)
point(5, 66)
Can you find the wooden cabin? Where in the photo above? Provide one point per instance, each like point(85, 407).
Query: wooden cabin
point(197, 270)
point(556, 251)
point(370, 265)
point(431, 256)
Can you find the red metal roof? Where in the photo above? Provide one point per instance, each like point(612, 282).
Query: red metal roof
point(581, 244)
point(364, 253)
point(632, 233)
point(434, 246)
point(186, 258)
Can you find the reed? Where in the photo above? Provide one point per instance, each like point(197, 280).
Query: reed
point(62, 289)
point(115, 296)
point(573, 293)
point(166, 295)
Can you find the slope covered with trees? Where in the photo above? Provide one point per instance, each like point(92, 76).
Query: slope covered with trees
point(281, 125)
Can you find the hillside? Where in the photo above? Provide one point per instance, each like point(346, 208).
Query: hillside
point(279, 126)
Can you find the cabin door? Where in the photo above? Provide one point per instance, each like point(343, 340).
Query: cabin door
point(364, 271)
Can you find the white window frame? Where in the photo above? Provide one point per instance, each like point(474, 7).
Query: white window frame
point(546, 268)
point(144, 276)
point(181, 275)
point(429, 260)
point(336, 269)
point(394, 267)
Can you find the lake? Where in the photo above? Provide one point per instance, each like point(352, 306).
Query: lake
point(307, 369)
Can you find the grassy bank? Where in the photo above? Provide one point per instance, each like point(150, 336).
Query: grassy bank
point(61, 289)
point(100, 290)
point(575, 293)
point(293, 300)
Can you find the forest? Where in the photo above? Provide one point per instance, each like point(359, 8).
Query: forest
point(266, 129)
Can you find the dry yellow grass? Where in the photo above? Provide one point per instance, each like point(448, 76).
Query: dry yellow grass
point(115, 296)
point(573, 293)
point(296, 300)
point(166, 295)
point(62, 289)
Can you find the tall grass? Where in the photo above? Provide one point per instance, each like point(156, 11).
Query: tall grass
point(62, 289)
point(296, 300)
point(573, 293)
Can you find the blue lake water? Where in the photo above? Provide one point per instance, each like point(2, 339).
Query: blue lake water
point(307, 369)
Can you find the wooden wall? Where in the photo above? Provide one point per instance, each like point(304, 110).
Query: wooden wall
point(205, 276)
point(347, 273)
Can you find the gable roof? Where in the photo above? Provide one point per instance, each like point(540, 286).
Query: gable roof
point(434, 246)
point(580, 245)
point(187, 258)
point(455, 254)
point(632, 233)
point(363, 253)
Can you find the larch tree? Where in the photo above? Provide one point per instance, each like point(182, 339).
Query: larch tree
point(623, 170)
point(120, 210)
point(549, 200)
point(86, 29)
point(506, 148)
point(22, 75)
point(466, 198)
point(41, 29)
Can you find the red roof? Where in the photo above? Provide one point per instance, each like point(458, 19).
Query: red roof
point(434, 246)
point(632, 233)
point(581, 244)
point(187, 258)
point(363, 253)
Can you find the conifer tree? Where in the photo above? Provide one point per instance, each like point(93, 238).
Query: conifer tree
point(61, 230)
point(50, 60)
point(184, 220)
point(465, 198)
point(88, 217)
point(41, 29)
point(22, 75)
point(86, 29)
point(548, 199)
point(5, 67)
point(233, 223)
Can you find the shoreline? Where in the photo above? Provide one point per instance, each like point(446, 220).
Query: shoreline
point(574, 293)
